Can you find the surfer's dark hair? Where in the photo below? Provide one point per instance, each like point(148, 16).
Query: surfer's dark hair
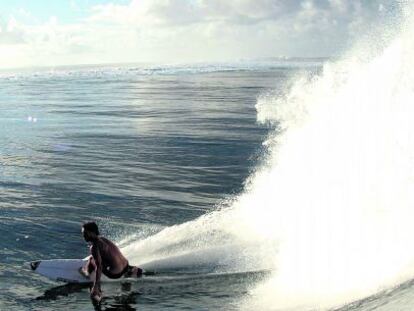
point(91, 226)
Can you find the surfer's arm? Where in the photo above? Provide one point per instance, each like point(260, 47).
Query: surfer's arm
point(98, 263)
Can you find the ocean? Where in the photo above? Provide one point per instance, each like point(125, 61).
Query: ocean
point(282, 184)
point(136, 149)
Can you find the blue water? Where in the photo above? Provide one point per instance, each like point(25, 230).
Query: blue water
point(135, 149)
point(139, 149)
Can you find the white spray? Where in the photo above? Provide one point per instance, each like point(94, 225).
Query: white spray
point(331, 210)
point(339, 187)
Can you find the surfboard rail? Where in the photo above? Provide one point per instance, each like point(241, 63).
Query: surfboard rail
point(68, 270)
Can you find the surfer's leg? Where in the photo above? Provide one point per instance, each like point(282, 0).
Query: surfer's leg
point(138, 272)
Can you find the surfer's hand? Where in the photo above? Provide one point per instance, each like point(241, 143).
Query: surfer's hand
point(95, 293)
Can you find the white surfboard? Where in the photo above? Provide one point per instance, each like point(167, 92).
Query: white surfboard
point(67, 270)
point(64, 270)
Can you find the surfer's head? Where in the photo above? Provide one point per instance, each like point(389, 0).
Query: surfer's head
point(90, 231)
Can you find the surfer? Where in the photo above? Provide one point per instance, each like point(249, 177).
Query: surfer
point(106, 258)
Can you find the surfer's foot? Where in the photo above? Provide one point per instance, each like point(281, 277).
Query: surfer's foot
point(135, 272)
point(148, 272)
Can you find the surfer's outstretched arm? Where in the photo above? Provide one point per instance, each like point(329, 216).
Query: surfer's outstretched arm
point(96, 289)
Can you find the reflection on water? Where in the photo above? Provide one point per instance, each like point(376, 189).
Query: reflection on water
point(121, 301)
point(189, 292)
point(55, 293)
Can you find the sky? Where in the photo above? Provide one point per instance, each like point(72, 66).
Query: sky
point(71, 32)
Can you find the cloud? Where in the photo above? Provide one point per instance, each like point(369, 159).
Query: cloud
point(46, 44)
point(11, 33)
point(184, 12)
point(196, 30)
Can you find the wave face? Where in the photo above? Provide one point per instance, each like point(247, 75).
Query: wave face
point(329, 210)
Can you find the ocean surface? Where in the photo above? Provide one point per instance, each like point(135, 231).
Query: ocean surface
point(161, 157)
point(135, 149)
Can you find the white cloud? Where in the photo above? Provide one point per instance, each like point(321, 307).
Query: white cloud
point(186, 31)
point(11, 33)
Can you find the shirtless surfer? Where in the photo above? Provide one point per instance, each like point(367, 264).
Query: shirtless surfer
point(106, 258)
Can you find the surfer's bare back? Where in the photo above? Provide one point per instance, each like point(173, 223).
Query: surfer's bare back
point(106, 258)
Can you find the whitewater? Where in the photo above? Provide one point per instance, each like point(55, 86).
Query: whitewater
point(328, 211)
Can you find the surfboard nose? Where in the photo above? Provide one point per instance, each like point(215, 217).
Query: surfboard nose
point(34, 265)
